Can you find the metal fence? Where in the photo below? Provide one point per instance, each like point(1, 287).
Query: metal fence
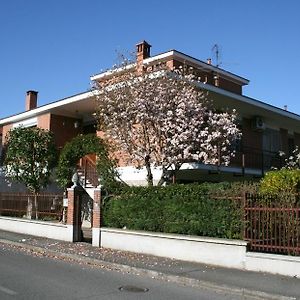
point(50, 206)
point(252, 158)
point(270, 227)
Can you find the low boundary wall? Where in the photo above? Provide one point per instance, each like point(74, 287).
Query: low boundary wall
point(214, 251)
point(273, 263)
point(37, 228)
point(227, 253)
point(220, 252)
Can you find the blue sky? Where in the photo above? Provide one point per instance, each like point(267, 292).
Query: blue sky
point(54, 46)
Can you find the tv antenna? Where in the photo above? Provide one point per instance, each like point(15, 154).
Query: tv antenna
point(216, 52)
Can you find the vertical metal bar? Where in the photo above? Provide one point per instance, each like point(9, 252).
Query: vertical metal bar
point(288, 228)
point(268, 226)
point(243, 164)
point(262, 164)
point(255, 224)
point(298, 231)
point(245, 216)
point(85, 171)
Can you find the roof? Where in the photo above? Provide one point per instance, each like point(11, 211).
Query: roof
point(72, 101)
point(78, 104)
point(85, 102)
point(174, 54)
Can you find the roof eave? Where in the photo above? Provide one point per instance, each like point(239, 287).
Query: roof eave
point(45, 108)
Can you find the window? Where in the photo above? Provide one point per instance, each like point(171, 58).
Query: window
point(271, 140)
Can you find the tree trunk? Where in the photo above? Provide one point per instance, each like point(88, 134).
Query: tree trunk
point(149, 172)
point(168, 176)
point(36, 206)
point(164, 177)
point(29, 208)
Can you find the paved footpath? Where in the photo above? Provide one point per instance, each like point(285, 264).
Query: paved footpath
point(252, 285)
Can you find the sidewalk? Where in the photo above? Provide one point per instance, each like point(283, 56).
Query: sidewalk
point(251, 285)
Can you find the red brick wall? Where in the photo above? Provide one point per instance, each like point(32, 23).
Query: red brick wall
point(5, 130)
point(230, 86)
point(63, 129)
point(121, 157)
point(97, 209)
point(43, 121)
point(209, 77)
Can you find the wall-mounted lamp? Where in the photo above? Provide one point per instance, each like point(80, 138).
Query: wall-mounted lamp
point(76, 124)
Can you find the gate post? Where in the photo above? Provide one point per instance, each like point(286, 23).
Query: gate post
point(96, 226)
point(74, 213)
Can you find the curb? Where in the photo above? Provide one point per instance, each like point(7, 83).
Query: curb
point(186, 281)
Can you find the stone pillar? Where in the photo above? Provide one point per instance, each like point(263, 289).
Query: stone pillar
point(74, 213)
point(96, 231)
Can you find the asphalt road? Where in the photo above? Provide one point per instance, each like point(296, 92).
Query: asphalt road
point(31, 277)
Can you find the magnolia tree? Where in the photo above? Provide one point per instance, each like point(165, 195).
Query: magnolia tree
point(293, 160)
point(161, 118)
point(29, 158)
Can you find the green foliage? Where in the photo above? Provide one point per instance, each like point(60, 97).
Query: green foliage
point(183, 209)
point(234, 189)
point(282, 185)
point(30, 156)
point(78, 147)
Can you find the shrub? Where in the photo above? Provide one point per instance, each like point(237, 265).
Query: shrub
point(182, 209)
point(281, 185)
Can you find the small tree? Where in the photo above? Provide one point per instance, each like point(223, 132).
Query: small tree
point(30, 157)
point(162, 118)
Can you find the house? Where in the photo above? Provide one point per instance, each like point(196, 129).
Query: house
point(266, 129)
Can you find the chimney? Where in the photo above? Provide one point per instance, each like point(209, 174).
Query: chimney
point(142, 52)
point(31, 100)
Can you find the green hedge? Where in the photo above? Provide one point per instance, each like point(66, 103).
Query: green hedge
point(182, 209)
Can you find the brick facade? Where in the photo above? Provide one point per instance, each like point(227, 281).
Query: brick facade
point(64, 129)
point(31, 100)
point(97, 218)
point(74, 212)
point(5, 130)
point(209, 77)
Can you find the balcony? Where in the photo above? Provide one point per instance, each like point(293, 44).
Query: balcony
point(255, 160)
point(249, 164)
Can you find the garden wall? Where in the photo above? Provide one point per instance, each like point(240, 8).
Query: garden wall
point(56, 231)
point(214, 251)
point(223, 252)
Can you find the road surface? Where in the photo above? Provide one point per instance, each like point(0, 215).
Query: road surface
point(31, 277)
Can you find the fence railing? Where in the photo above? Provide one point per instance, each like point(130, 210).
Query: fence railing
point(256, 159)
point(50, 206)
point(271, 227)
point(87, 165)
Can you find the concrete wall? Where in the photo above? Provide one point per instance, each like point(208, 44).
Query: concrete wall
point(38, 228)
point(220, 252)
point(273, 263)
point(228, 253)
